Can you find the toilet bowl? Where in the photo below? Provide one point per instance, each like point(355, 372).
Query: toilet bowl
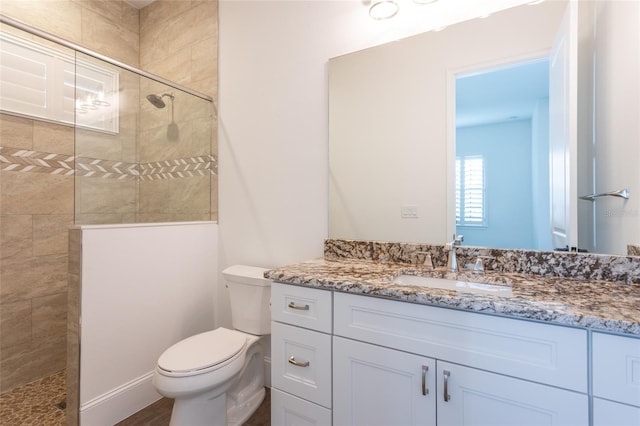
point(217, 377)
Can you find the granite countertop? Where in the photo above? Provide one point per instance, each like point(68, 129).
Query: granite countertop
point(599, 305)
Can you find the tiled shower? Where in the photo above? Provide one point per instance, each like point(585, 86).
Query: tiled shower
point(159, 165)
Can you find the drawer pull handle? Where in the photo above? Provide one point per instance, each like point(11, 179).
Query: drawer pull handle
point(446, 374)
point(292, 360)
point(292, 305)
point(425, 368)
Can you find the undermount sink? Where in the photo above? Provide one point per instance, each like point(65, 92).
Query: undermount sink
point(463, 286)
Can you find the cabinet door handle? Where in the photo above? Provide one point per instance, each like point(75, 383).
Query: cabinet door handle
point(446, 374)
point(292, 305)
point(425, 390)
point(292, 360)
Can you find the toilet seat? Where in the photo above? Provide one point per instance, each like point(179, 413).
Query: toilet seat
point(202, 353)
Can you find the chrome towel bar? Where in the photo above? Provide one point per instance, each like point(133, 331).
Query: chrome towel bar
point(622, 193)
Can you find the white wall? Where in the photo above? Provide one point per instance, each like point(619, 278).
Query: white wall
point(144, 288)
point(273, 117)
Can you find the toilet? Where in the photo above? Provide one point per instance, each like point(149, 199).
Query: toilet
point(217, 377)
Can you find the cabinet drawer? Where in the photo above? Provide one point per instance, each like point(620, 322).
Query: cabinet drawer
point(542, 353)
point(616, 368)
point(289, 410)
point(301, 306)
point(301, 362)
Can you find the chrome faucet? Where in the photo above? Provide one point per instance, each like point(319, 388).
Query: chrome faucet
point(452, 261)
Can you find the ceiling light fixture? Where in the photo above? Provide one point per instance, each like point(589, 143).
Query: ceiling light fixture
point(383, 9)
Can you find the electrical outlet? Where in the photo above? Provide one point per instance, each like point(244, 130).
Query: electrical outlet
point(409, 212)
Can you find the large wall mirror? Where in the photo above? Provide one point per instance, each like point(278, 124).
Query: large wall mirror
point(494, 129)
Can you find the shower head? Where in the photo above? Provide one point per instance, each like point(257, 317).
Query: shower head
point(156, 100)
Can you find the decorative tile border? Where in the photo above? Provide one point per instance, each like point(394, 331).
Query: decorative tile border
point(90, 167)
point(26, 161)
point(181, 168)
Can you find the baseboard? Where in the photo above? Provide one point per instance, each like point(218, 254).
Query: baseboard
point(120, 403)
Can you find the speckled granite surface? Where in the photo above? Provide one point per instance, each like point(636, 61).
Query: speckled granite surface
point(549, 296)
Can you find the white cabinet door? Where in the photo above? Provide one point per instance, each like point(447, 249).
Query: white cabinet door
point(607, 413)
point(467, 396)
point(380, 386)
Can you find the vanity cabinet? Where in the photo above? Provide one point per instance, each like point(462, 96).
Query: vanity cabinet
point(616, 380)
point(480, 369)
point(300, 355)
point(371, 361)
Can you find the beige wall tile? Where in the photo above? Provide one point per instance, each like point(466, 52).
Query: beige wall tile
point(51, 234)
point(16, 132)
point(54, 138)
point(154, 196)
point(75, 241)
point(61, 17)
point(109, 38)
point(189, 194)
point(15, 324)
point(25, 363)
point(176, 66)
point(49, 315)
point(35, 193)
point(160, 11)
point(204, 58)
point(16, 236)
point(24, 279)
point(158, 42)
point(102, 196)
point(131, 18)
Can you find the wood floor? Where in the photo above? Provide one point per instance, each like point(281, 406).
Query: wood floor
point(159, 414)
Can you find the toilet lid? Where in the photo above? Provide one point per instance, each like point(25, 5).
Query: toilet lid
point(202, 351)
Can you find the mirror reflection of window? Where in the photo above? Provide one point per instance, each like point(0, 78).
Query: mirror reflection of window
point(470, 191)
point(502, 156)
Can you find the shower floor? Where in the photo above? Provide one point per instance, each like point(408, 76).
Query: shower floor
point(37, 403)
point(42, 403)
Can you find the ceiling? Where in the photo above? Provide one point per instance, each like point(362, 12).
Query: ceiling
point(501, 94)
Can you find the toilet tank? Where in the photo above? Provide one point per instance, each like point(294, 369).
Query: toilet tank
point(250, 295)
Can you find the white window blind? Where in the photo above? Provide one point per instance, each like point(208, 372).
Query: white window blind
point(470, 191)
point(50, 84)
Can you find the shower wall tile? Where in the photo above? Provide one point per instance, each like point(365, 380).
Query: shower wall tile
point(73, 327)
point(50, 137)
point(96, 195)
point(109, 38)
point(61, 18)
point(115, 11)
point(16, 236)
point(35, 193)
point(204, 58)
point(160, 11)
point(50, 234)
point(24, 279)
point(16, 132)
point(25, 363)
point(15, 323)
point(189, 194)
point(49, 316)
